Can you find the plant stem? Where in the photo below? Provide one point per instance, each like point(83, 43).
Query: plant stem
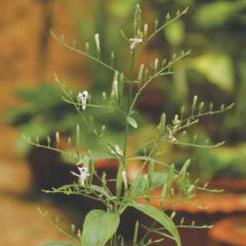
point(129, 108)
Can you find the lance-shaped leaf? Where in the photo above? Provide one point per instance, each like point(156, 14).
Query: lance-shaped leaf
point(161, 218)
point(99, 227)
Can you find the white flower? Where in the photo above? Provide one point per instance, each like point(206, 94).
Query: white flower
point(134, 42)
point(83, 174)
point(171, 138)
point(124, 179)
point(82, 98)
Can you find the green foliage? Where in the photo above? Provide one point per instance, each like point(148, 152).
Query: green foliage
point(217, 68)
point(175, 33)
point(161, 218)
point(142, 185)
point(183, 180)
point(223, 162)
point(214, 32)
point(120, 100)
point(217, 13)
point(99, 227)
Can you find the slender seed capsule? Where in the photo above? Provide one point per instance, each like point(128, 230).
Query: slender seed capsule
point(168, 17)
point(87, 47)
point(97, 41)
point(141, 73)
point(104, 95)
point(125, 179)
point(115, 87)
point(211, 106)
point(156, 64)
point(182, 221)
point(57, 138)
point(48, 141)
point(193, 108)
point(146, 27)
point(156, 24)
point(201, 106)
point(112, 56)
point(69, 141)
point(173, 215)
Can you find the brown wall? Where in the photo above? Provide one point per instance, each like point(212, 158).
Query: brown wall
point(28, 53)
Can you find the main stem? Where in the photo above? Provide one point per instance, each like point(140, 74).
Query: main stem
point(129, 99)
point(128, 109)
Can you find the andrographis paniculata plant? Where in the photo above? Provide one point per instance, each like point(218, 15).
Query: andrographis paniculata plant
point(100, 225)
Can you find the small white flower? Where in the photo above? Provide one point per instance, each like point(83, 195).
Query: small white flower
point(83, 174)
point(97, 40)
point(134, 42)
point(171, 138)
point(125, 179)
point(82, 98)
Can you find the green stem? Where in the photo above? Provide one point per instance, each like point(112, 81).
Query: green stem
point(133, 54)
point(129, 108)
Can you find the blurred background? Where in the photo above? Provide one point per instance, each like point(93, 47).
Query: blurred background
point(31, 103)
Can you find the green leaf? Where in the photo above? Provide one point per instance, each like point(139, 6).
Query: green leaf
point(161, 218)
point(175, 32)
point(121, 9)
point(99, 227)
point(132, 122)
point(58, 244)
point(217, 13)
point(217, 68)
point(141, 184)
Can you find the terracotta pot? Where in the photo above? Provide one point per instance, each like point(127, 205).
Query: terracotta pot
point(208, 203)
point(204, 209)
point(230, 231)
point(229, 184)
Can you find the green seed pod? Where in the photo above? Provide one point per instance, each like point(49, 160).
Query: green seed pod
point(162, 125)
